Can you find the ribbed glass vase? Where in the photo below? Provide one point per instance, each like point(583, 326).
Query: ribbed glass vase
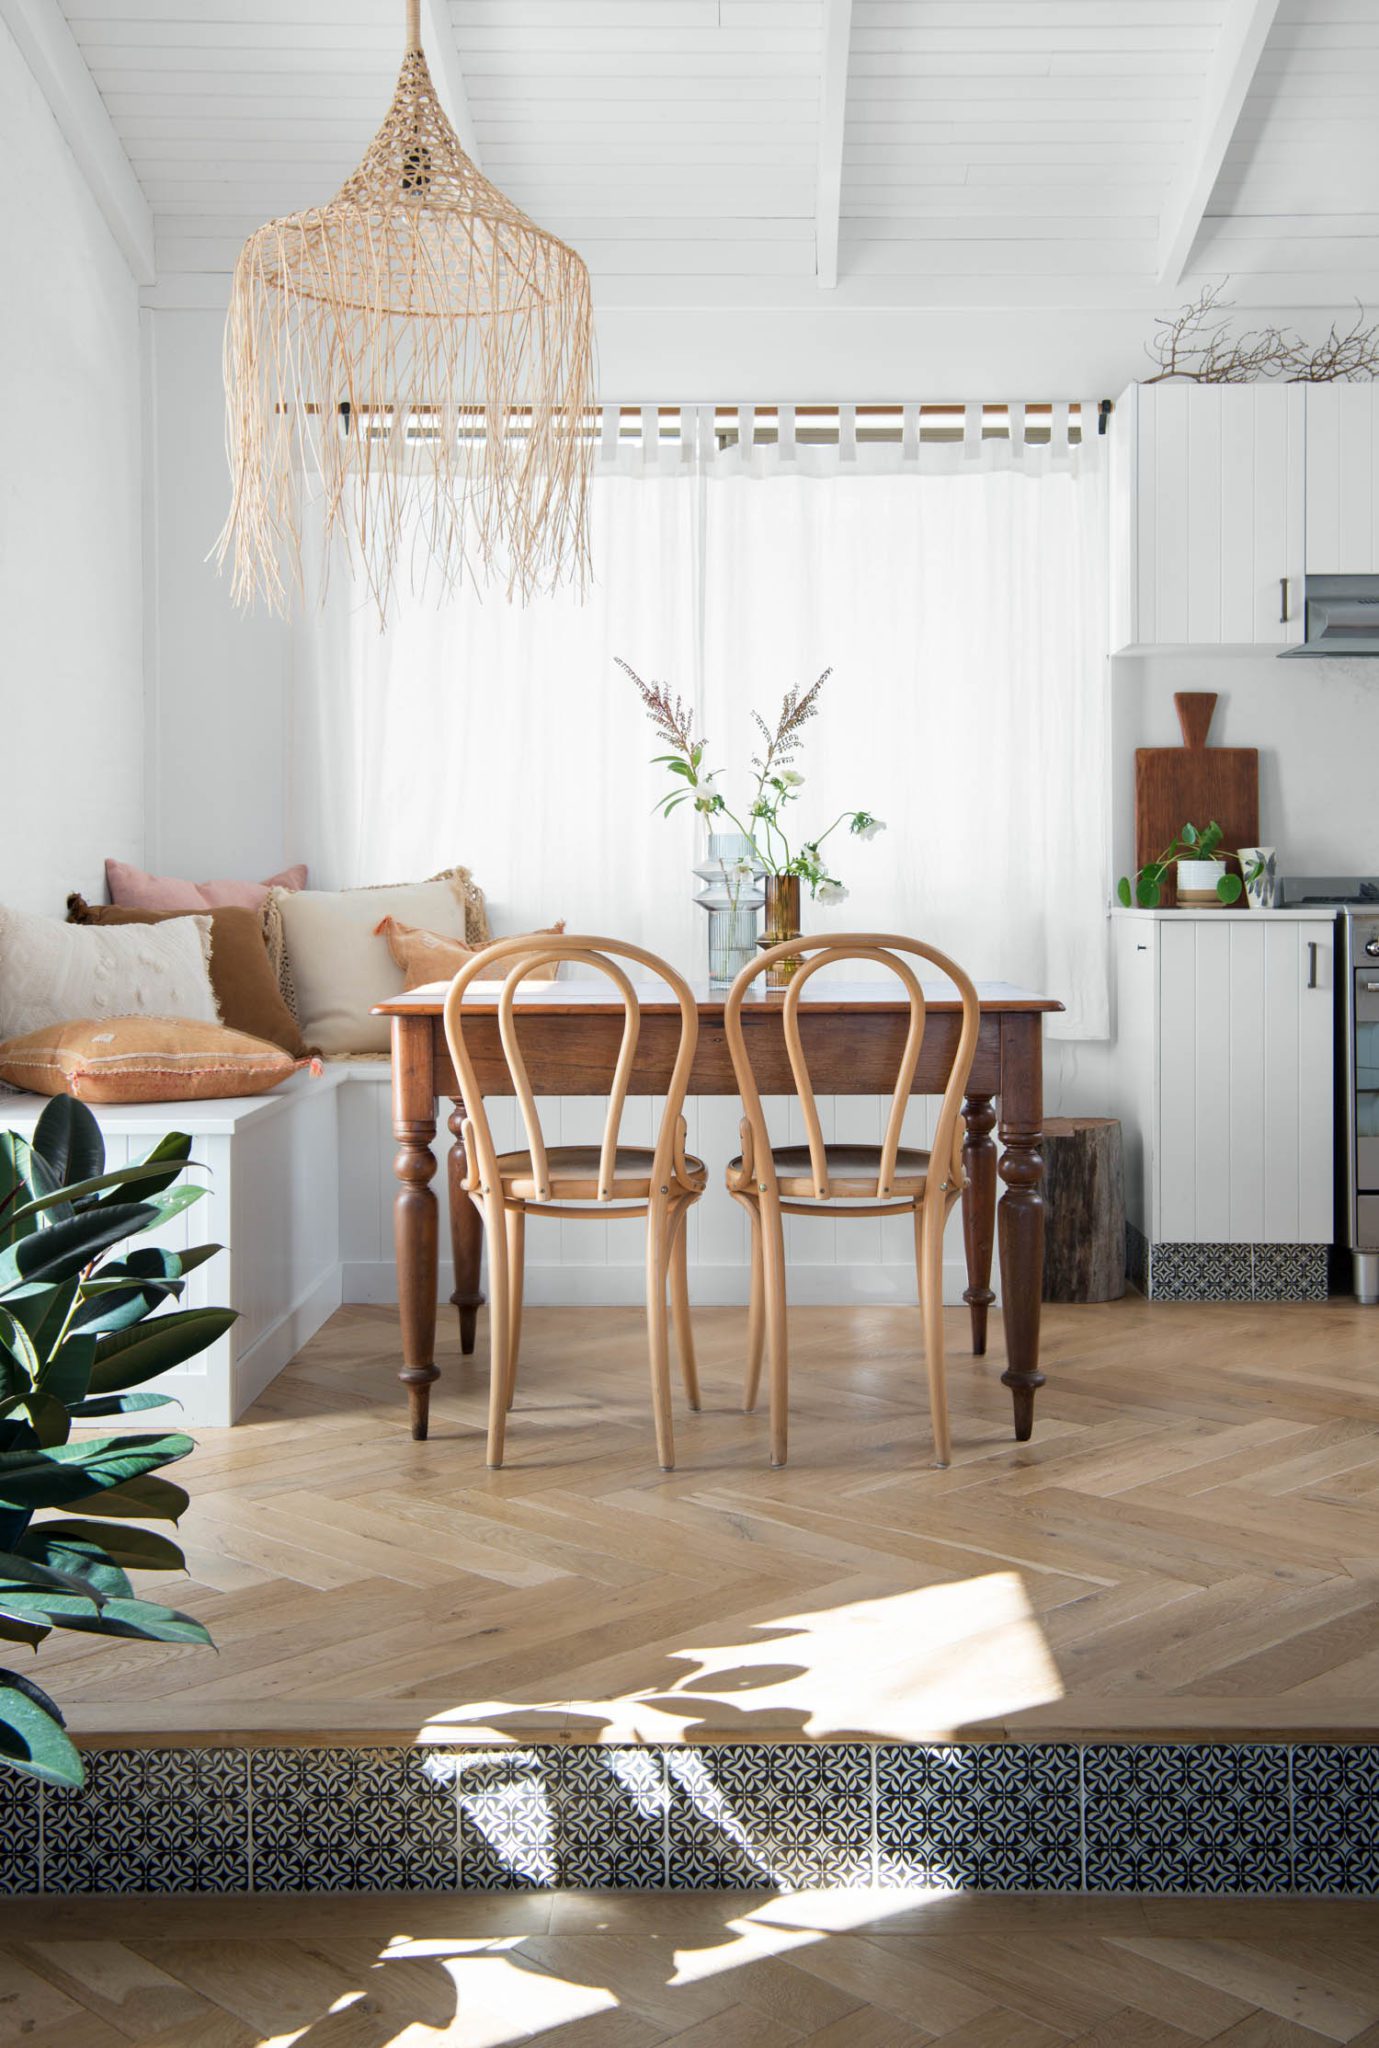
point(733, 901)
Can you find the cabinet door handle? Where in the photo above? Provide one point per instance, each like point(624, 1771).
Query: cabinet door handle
point(1283, 618)
point(1312, 981)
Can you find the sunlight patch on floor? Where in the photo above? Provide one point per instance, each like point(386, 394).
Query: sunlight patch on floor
point(902, 1667)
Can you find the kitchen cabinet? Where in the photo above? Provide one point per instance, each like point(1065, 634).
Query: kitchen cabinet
point(1342, 480)
point(1224, 1062)
point(1207, 516)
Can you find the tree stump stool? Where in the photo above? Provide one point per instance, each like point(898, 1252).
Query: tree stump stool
point(1084, 1195)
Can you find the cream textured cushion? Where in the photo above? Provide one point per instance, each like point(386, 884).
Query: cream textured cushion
point(143, 1059)
point(51, 973)
point(340, 966)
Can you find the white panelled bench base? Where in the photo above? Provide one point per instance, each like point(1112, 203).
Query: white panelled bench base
point(271, 1166)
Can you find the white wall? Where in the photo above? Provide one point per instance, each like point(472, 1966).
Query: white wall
point(71, 600)
point(217, 725)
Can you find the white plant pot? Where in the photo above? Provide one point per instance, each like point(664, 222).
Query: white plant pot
point(1197, 880)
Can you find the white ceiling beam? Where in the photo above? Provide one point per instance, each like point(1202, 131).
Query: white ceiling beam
point(1244, 32)
point(51, 52)
point(443, 57)
point(833, 99)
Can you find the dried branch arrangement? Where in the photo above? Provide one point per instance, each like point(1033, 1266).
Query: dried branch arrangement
point(1198, 344)
point(784, 743)
point(419, 355)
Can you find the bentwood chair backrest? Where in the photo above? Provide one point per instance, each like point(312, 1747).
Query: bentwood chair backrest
point(884, 949)
point(513, 961)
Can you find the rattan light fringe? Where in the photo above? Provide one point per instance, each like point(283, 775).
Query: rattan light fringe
point(417, 356)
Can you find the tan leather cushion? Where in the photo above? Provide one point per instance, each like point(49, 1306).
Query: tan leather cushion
point(425, 956)
point(142, 1059)
point(241, 974)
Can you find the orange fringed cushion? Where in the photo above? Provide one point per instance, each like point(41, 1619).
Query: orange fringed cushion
point(143, 1059)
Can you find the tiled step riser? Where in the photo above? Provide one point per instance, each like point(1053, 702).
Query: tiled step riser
point(1242, 1819)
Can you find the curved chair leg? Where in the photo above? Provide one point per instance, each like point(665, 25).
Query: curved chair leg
point(499, 1324)
point(756, 1316)
point(517, 1262)
point(680, 1301)
point(929, 1221)
point(773, 1289)
point(658, 1232)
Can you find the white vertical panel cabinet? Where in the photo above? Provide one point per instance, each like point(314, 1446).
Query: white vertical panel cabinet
point(1208, 496)
point(1342, 480)
point(1225, 1028)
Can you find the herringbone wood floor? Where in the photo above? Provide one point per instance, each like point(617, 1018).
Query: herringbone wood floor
point(699, 1971)
point(1190, 1544)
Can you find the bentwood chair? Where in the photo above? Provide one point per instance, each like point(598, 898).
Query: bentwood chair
point(772, 1182)
point(601, 1182)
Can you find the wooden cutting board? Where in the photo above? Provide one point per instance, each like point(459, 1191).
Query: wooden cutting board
point(1191, 785)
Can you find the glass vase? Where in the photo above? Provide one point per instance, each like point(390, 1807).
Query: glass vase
point(732, 900)
point(782, 922)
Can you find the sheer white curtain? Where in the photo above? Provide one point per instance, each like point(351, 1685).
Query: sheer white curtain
point(961, 608)
point(506, 739)
point(963, 617)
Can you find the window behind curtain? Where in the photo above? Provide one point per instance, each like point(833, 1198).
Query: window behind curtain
point(962, 614)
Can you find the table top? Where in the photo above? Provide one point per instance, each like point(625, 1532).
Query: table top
point(593, 998)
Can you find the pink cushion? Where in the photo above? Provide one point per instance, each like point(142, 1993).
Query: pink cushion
point(132, 889)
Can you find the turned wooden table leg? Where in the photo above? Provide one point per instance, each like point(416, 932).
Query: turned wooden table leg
point(466, 1236)
point(979, 1212)
point(415, 1212)
point(1021, 1212)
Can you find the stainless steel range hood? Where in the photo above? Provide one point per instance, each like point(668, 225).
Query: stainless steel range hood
point(1341, 617)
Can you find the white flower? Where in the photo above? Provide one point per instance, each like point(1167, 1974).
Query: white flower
point(705, 793)
point(791, 777)
point(830, 892)
point(741, 871)
point(867, 827)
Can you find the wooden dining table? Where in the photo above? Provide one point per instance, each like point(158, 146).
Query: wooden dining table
point(853, 1036)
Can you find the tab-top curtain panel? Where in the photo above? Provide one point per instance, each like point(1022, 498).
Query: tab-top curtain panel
point(957, 590)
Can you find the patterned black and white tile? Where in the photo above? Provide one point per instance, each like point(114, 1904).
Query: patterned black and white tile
point(507, 1808)
point(1336, 1818)
point(795, 1814)
point(612, 1804)
point(151, 1820)
point(21, 1833)
point(1187, 1817)
point(1291, 1272)
point(980, 1817)
point(1201, 1272)
point(351, 1820)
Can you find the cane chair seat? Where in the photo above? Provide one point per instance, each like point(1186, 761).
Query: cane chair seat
point(853, 1171)
point(572, 1174)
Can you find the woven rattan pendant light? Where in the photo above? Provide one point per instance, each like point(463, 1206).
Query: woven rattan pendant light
point(412, 363)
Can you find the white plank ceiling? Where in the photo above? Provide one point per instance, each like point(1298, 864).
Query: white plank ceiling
point(995, 152)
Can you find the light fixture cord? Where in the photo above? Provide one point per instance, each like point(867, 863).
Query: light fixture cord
point(413, 25)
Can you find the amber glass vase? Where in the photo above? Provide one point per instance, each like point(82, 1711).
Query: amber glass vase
point(782, 921)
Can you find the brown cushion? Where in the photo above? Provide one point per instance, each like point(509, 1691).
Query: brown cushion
point(426, 956)
point(241, 972)
point(142, 1059)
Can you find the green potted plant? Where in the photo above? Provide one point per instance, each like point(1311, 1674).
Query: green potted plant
point(1202, 875)
point(77, 1345)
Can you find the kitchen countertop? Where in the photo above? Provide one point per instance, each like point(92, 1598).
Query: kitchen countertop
point(1303, 913)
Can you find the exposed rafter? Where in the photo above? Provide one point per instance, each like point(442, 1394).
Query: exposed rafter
point(833, 97)
point(438, 41)
point(1244, 32)
point(50, 50)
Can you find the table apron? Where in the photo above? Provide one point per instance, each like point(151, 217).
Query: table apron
point(846, 1055)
